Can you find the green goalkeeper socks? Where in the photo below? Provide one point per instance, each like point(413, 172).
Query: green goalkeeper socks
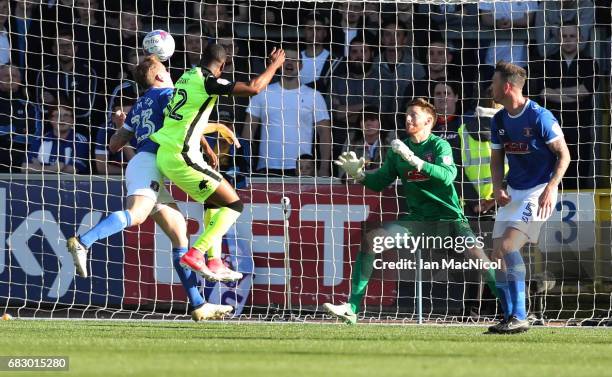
point(215, 250)
point(215, 228)
point(362, 270)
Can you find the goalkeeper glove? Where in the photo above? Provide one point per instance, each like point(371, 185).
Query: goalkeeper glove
point(402, 149)
point(353, 166)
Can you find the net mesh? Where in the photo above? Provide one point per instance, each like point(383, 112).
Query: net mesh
point(358, 64)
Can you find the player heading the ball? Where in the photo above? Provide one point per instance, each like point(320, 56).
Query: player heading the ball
point(146, 193)
point(179, 157)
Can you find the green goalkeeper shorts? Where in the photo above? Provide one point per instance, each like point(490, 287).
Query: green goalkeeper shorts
point(442, 228)
point(190, 173)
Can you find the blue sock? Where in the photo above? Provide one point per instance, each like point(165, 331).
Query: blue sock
point(515, 271)
point(501, 282)
point(113, 223)
point(188, 278)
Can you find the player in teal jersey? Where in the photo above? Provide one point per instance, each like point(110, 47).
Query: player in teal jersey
point(424, 163)
point(180, 159)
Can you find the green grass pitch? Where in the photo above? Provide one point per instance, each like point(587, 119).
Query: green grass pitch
point(140, 348)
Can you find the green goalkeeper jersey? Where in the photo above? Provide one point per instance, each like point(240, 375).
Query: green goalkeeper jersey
point(186, 116)
point(429, 194)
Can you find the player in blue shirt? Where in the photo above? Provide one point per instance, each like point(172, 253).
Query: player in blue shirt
point(532, 140)
point(60, 149)
point(147, 194)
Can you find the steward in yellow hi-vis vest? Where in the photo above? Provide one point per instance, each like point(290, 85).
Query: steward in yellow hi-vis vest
point(475, 137)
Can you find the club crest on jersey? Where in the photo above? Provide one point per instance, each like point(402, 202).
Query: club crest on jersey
point(416, 176)
point(203, 185)
point(516, 148)
point(528, 132)
point(428, 157)
point(154, 186)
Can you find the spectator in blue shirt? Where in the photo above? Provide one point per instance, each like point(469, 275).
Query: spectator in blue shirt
point(60, 149)
point(19, 120)
point(72, 77)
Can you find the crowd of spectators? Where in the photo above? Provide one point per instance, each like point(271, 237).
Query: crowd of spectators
point(66, 66)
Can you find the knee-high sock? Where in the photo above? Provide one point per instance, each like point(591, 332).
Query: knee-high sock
point(503, 290)
point(515, 268)
point(362, 270)
point(218, 225)
point(215, 249)
point(489, 277)
point(188, 278)
point(113, 223)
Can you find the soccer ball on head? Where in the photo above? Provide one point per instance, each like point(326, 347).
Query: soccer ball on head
point(159, 43)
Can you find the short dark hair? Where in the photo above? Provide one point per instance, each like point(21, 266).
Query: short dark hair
point(65, 32)
point(435, 37)
point(369, 113)
point(511, 73)
point(128, 7)
point(358, 39)
point(454, 85)
point(194, 29)
point(366, 41)
point(318, 17)
point(423, 104)
point(290, 47)
point(61, 103)
point(399, 25)
point(213, 54)
point(143, 72)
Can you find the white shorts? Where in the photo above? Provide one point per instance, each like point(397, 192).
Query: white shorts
point(522, 213)
point(144, 178)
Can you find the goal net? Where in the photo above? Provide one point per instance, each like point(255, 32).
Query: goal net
point(350, 70)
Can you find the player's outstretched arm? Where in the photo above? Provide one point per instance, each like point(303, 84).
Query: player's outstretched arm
point(256, 85)
point(119, 139)
point(380, 179)
point(123, 135)
point(442, 168)
point(352, 165)
point(224, 131)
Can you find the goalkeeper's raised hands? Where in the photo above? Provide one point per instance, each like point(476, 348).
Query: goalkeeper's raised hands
point(404, 152)
point(352, 165)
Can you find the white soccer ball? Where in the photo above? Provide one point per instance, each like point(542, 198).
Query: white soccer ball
point(159, 43)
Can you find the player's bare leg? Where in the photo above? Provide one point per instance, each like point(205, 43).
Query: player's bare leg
point(137, 210)
point(226, 208)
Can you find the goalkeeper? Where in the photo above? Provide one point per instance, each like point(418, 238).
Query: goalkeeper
point(179, 157)
point(425, 165)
